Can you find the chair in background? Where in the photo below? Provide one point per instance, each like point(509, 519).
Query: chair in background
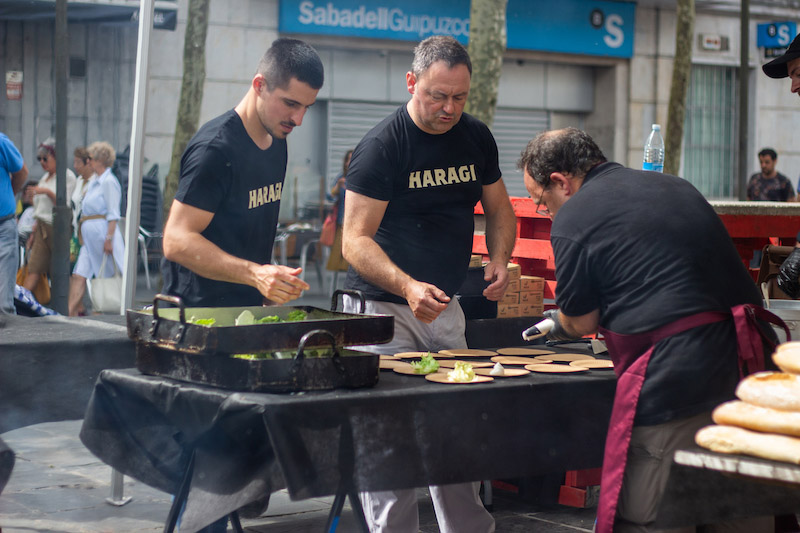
point(149, 244)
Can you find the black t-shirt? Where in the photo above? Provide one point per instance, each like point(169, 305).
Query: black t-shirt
point(224, 172)
point(646, 249)
point(432, 183)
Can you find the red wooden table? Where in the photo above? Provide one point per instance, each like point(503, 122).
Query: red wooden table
point(751, 225)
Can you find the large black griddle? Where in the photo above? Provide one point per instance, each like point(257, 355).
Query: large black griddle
point(167, 345)
point(169, 329)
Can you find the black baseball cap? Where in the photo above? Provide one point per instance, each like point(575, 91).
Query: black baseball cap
point(777, 67)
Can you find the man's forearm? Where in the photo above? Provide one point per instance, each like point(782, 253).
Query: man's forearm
point(372, 264)
point(501, 234)
point(208, 260)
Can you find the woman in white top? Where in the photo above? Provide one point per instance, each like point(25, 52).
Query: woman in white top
point(97, 226)
point(40, 242)
point(80, 162)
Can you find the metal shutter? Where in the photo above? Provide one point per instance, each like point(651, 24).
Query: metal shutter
point(512, 130)
point(348, 122)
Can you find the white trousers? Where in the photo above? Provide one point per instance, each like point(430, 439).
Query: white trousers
point(458, 506)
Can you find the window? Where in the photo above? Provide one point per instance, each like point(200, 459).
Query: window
point(710, 129)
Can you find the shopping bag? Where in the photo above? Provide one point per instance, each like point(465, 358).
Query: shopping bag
point(106, 293)
point(42, 290)
point(328, 233)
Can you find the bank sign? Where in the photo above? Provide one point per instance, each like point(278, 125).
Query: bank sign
point(603, 28)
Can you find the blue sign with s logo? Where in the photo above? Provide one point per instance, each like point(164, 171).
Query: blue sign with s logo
point(775, 34)
point(587, 27)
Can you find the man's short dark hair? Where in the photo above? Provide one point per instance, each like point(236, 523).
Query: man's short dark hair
point(291, 58)
point(569, 151)
point(770, 152)
point(439, 48)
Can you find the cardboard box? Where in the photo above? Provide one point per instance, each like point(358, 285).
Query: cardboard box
point(531, 309)
point(531, 283)
point(510, 298)
point(514, 271)
point(513, 286)
point(508, 311)
point(528, 297)
point(475, 261)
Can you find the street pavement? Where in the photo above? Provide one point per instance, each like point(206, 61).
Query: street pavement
point(57, 485)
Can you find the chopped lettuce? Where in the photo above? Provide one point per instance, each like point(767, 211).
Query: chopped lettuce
point(461, 373)
point(296, 316)
point(252, 356)
point(245, 318)
point(202, 321)
point(269, 319)
point(426, 365)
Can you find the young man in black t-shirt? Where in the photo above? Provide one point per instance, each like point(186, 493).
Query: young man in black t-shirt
point(221, 228)
point(643, 258)
point(412, 186)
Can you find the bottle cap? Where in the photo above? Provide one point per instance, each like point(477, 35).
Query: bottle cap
point(657, 127)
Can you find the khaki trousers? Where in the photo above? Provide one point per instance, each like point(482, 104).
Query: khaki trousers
point(646, 474)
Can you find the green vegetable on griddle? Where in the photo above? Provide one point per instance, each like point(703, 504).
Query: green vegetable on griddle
point(296, 316)
point(203, 321)
point(269, 319)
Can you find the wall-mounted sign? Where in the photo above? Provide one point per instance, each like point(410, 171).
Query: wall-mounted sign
point(775, 34)
point(14, 85)
point(599, 27)
point(713, 42)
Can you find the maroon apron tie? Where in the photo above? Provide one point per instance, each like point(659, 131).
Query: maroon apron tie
point(631, 355)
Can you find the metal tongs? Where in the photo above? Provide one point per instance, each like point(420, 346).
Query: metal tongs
point(540, 329)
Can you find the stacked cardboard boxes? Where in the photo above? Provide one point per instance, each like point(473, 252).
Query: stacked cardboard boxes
point(524, 295)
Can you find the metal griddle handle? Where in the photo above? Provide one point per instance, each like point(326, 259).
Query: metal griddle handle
point(298, 358)
point(174, 300)
point(354, 294)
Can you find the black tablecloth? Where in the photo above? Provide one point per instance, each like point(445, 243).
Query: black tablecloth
point(405, 432)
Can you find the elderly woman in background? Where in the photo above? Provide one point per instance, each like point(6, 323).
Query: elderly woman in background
point(97, 226)
point(40, 242)
point(80, 163)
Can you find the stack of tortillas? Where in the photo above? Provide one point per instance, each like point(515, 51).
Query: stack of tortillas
point(765, 421)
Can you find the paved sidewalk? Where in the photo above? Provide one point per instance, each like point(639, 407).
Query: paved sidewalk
point(58, 486)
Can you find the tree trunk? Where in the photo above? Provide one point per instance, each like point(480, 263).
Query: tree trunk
point(681, 71)
point(487, 44)
point(194, 75)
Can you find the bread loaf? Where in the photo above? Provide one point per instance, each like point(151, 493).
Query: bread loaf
point(745, 415)
point(776, 390)
point(729, 439)
point(787, 357)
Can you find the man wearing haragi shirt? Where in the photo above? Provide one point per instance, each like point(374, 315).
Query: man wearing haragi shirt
point(221, 228)
point(412, 187)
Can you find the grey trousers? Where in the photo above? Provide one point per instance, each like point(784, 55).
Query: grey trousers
point(458, 507)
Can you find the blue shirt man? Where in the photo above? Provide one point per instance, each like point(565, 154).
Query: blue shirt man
point(13, 173)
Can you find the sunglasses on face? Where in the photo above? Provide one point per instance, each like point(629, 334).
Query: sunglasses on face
point(42, 158)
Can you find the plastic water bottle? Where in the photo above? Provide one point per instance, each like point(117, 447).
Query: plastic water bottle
point(654, 151)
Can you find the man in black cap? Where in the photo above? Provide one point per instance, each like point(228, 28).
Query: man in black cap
point(788, 66)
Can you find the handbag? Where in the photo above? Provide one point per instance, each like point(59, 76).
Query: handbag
point(771, 260)
point(328, 232)
point(106, 293)
point(42, 290)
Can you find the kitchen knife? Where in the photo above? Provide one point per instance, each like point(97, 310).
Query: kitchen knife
point(538, 330)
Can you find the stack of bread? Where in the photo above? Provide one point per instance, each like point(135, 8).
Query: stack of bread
point(765, 421)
